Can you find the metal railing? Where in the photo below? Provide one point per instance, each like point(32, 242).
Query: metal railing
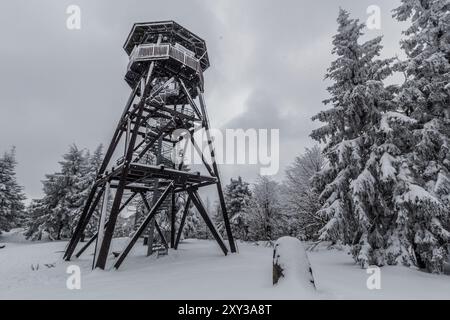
point(153, 51)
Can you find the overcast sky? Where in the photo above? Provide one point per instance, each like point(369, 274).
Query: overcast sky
point(268, 60)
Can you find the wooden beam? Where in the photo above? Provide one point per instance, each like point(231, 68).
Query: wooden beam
point(150, 144)
point(200, 153)
point(106, 243)
point(191, 101)
point(217, 175)
point(172, 220)
point(117, 133)
point(183, 220)
point(102, 222)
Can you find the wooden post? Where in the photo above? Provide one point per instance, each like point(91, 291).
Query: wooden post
point(172, 220)
point(127, 137)
point(101, 225)
point(106, 243)
point(151, 230)
point(200, 153)
point(216, 170)
point(118, 132)
point(183, 220)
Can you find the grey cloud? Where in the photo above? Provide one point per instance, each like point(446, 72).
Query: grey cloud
point(59, 87)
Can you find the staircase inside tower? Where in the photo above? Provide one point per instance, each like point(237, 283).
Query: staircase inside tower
point(161, 154)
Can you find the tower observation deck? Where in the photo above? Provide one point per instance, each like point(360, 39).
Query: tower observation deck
point(183, 53)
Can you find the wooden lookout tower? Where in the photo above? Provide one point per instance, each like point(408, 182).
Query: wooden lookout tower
point(165, 73)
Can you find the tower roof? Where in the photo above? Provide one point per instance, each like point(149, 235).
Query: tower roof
point(146, 32)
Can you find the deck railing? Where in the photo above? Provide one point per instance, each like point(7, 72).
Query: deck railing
point(153, 51)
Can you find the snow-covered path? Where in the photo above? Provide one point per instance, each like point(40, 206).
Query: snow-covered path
point(199, 271)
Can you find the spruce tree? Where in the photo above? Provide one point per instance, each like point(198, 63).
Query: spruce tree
point(348, 184)
point(94, 162)
point(424, 199)
point(194, 226)
point(264, 211)
point(64, 196)
point(237, 196)
point(11, 193)
point(44, 220)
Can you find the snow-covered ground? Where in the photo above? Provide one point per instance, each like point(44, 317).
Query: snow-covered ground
point(198, 270)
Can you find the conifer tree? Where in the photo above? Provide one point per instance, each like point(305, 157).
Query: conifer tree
point(11, 193)
point(352, 199)
point(94, 162)
point(237, 196)
point(424, 199)
point(65, 192)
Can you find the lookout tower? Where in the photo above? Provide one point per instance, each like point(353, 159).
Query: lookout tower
point(165, 73)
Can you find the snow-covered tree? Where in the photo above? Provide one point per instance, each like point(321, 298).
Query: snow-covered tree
point(11, 193)
point(352, 199)
point(265, 218)
point(423, 201)
point(64, 190)
point(44, 221)
point(94, 162)
point(237, 197)
point(125, 225)
point(299, 200)
point(65, 193)
point(385, 184)
point(194, 226)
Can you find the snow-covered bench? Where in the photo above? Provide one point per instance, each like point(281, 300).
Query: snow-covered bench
point(291, 264)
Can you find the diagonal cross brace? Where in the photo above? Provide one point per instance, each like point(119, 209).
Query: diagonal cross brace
point(183, 220)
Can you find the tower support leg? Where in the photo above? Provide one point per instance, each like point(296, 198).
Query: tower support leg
point(217, 174)
point(172, 220)
point(102, 222)
point(183, 220)
point(109, 232)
